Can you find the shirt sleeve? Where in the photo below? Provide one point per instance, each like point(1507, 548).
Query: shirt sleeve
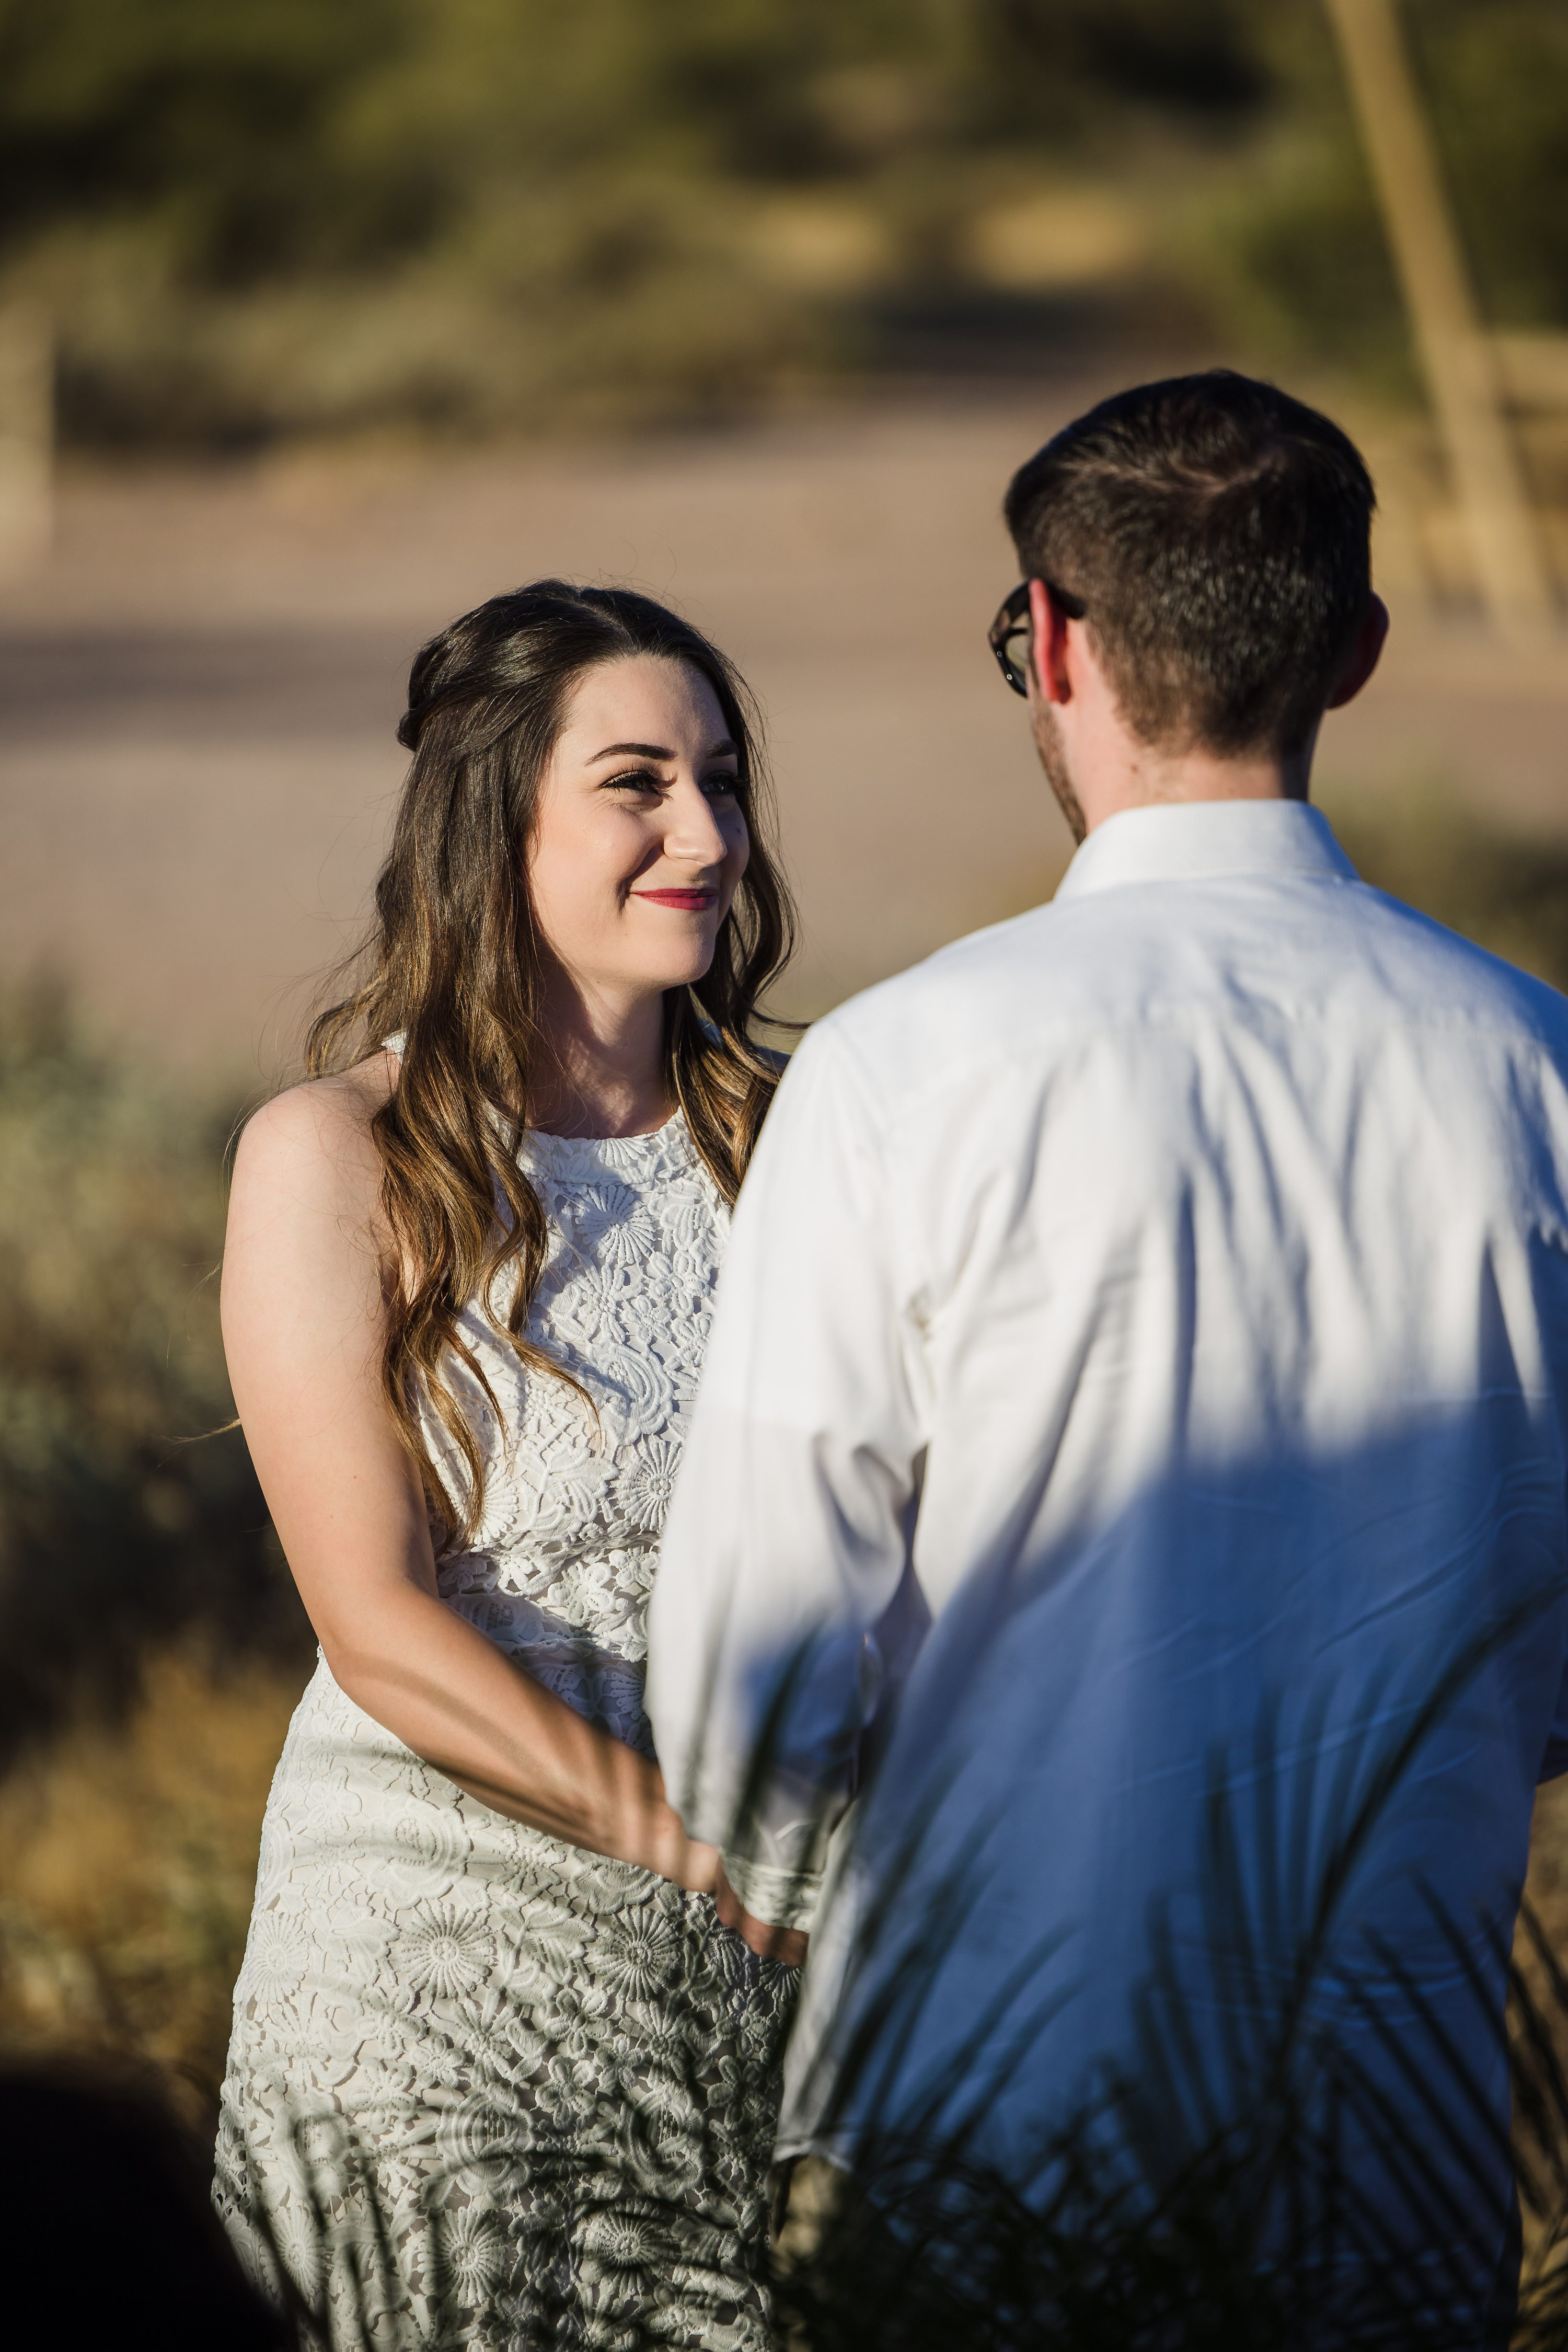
point(788, 1537)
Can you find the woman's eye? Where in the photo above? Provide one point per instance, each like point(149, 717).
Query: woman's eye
point(636, 779)
point(722, 787)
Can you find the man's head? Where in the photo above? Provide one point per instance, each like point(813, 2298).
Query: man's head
point(1204, 544)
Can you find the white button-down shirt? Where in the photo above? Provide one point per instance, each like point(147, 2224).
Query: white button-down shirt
point(1151, 1318)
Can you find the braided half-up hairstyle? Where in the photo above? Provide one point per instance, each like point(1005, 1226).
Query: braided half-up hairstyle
point(452, 961)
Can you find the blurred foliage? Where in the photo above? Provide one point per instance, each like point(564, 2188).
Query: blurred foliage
point(120, 1523)
point(1496, 75)
point(260, 217)
point(1300, 266)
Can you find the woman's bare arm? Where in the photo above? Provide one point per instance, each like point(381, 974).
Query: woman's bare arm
point(303, 1308)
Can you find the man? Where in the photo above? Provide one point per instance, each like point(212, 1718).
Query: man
point(1144, 1339)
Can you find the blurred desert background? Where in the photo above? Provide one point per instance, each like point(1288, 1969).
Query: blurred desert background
point(317, 327)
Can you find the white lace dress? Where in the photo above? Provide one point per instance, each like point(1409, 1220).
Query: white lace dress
point(486, 2088)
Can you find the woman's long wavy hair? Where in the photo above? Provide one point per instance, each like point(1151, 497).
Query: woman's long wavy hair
point(453, 963)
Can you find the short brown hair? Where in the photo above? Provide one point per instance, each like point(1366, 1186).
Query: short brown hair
point(1218, 533)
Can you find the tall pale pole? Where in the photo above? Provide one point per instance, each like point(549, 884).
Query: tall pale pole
point(1456, 354)
point(27, 437)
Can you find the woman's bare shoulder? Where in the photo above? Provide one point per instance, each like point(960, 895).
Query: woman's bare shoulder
point(315, 1139)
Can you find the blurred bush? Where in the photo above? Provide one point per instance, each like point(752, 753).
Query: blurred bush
point(253, 217)
point(122, 1524)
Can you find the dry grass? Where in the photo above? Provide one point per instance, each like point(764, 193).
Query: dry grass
point(128, 1860)
point(1548, 1886)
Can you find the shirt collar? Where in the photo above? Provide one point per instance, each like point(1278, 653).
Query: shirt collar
point(1192, 840)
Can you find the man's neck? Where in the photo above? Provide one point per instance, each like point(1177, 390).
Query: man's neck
point(1144, 777)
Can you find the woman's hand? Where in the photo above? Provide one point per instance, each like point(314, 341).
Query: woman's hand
point(303, 1322)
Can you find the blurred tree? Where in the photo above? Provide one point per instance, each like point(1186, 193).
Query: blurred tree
point(1200, 58)
point(227, 123)
point(1303, 269)
point(254, 216)
point(1497, 79)
point(447, 160)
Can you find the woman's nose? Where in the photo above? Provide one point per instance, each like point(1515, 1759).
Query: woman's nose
point(694, 830)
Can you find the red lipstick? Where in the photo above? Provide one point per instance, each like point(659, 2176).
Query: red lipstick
point(691, 902)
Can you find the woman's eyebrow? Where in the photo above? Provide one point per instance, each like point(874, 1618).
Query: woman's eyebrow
point(719, 750)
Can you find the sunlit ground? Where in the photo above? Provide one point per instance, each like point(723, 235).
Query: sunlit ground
point(198, 691)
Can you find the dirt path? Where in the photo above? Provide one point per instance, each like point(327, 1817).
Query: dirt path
point(198, 693)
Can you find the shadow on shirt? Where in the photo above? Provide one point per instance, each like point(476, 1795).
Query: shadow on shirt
point(1177, 1910)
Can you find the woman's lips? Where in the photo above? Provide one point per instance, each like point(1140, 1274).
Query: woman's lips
point(694, 902)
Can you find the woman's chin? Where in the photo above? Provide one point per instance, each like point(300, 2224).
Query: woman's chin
point(681, 970)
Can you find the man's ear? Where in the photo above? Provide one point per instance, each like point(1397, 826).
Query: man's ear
point(1362, 657)
point(1048, 650)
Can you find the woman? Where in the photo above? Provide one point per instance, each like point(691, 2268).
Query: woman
point(497, 2069)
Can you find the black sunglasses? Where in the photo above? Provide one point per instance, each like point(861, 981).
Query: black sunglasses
point(1013, 622)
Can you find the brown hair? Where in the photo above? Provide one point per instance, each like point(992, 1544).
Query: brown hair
point(452, 961)
point(1216, 534)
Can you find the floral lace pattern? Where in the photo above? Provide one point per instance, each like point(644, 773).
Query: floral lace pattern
point(486, 2088)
